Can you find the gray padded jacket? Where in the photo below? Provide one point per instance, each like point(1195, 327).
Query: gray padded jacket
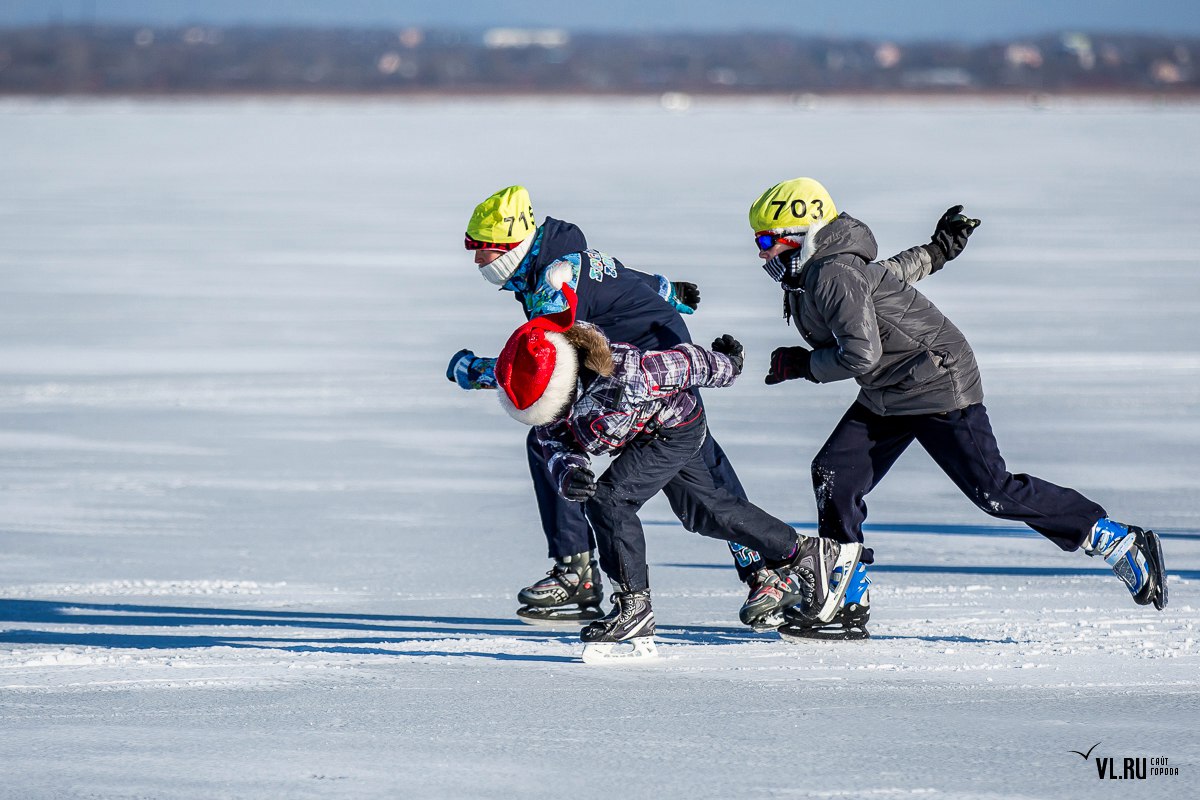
point(865, 320)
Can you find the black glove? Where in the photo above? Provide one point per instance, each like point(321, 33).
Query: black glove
point(686, 293)
point(578, 484)
point(951, 234)
point(789, 363)
point(732, 349)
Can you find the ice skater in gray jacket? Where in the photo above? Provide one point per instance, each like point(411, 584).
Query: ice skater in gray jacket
point(919, 381)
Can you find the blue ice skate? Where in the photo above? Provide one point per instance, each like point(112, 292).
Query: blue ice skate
point(848, 622)
point(810, 579)
point(1135, 555)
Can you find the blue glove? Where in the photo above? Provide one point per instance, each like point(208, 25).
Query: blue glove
point(459, 369)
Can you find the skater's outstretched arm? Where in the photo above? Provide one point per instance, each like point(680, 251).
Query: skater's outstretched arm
point(470, 371)
point(913, 264)
point(947, 243)
point(668, 372)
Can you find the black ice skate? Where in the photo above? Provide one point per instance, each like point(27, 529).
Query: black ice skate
point(571, 592)
point(626, 634)
point(779, 585)
point(850, 621)
point(768, 621)
point(811, 579)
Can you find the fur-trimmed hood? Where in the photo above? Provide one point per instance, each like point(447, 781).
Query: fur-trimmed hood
point(842, 234)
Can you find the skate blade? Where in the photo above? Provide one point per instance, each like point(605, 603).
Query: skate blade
point(848, 556)
point(794, 635)
point(627, 652)
point(558, 617)
point(768, 623)
point(1154, 554)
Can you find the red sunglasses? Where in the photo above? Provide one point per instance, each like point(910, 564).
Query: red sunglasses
point(475, 244)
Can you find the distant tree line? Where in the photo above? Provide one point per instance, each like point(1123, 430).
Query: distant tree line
point(132, 60)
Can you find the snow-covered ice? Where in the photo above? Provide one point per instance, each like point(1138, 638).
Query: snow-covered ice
point(253, 543)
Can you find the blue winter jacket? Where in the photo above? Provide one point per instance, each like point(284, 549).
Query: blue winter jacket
point(627, 305)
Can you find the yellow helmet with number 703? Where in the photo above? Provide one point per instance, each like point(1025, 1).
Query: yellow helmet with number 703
point(791, 207)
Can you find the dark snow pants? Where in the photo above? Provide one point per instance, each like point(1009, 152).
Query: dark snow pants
point(672, 462)
point(864, 446)
point(566, 527)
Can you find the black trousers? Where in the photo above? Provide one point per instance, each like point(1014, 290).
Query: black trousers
point(673, 463)
point(865, 445)
point(567, 530)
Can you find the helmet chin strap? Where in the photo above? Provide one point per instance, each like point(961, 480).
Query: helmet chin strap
point(499, 271)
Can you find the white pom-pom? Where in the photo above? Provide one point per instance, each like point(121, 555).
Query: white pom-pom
point(561, 273)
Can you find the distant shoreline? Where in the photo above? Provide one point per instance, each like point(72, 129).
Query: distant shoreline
point(799, 99)
point(537, 62)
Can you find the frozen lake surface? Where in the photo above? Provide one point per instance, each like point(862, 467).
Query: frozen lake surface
point(253, 543)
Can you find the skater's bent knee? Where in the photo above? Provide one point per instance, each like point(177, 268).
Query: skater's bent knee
point(825, 480)
point(611, 500)
point(603, 499)
point(821, 469)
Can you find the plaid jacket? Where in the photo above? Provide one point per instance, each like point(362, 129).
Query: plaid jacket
point(648, 391)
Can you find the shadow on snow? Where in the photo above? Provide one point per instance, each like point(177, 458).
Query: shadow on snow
point(947, 569)
point(382, 632)
point(391, 629)
point(386, 632)
point(991, 531)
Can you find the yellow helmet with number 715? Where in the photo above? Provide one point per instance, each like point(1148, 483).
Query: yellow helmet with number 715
point(503, 220)
point(792, 207)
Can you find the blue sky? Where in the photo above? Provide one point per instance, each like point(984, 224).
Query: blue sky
point(968, 20)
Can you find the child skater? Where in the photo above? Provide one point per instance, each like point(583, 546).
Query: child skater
point(589, 397)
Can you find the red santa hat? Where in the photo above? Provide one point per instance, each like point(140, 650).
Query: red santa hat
point(538, 368)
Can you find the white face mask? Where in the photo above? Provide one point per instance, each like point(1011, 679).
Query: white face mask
point(499, 271)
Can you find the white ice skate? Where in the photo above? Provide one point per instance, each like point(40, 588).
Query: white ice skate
point(624, 636)
point(840, 561)
point(640, 648)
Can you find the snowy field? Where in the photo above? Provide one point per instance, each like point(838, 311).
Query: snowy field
point(254, 545)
